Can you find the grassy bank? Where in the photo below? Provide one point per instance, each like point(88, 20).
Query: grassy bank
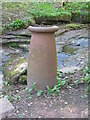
point(20, 15)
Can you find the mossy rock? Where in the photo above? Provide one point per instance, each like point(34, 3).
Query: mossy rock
point(51, 19)
point(75, 26)
point(23, 79)
point(69, 49)
point(14, 68)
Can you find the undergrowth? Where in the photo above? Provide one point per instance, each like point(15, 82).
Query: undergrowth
point(61, 83)
point(20, 15)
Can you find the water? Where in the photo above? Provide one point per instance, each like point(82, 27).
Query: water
point(60, 58)
point(82, 42)
point(66, 52)
point(71, 49)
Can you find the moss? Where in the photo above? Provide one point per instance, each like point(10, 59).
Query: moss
point(13, 45)
point(74, 26)
point(13, 73)
point(69, 49)
point(10, 67)
point(23, 79)
point(5, 69)
point(19, 62)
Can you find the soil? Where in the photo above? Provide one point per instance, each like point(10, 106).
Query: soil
point(70, 103)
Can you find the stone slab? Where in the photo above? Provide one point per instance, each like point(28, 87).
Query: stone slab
point(16, 40)
point(22, 32)
point(5, 107)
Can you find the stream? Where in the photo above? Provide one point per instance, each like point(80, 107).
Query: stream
point(71, 49)
point(7, 53)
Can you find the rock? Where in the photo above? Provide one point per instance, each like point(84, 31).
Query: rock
point(24, 46)
point(84, 113)
point(61, 31)
point(75, 26)
point(69, 36)
point(75, 60)
point(69, 49)
point(8, 37)
point(23, 79)
point(69, 69)
point(16, 36)
point(14, 68)
point(16, 40)
point(59, 48)
point(5, 107)
point(60, 43)
point(22, 32)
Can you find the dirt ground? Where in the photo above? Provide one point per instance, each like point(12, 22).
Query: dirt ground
point(70, 103)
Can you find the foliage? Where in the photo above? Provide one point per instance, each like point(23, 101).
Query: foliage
point(86, 73)
point(39, 93)
point(13, 45)
point(5, 83)
point(32, 88)
point(46, 9)
point(12, 98)
point(1, 30)
point(78, 16)
point(13, 13)
point(61, 82)
point(16, 24)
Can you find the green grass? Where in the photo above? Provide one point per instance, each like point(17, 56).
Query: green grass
point(20, 15)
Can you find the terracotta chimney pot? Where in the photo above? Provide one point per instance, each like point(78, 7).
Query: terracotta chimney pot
point(42, 61)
